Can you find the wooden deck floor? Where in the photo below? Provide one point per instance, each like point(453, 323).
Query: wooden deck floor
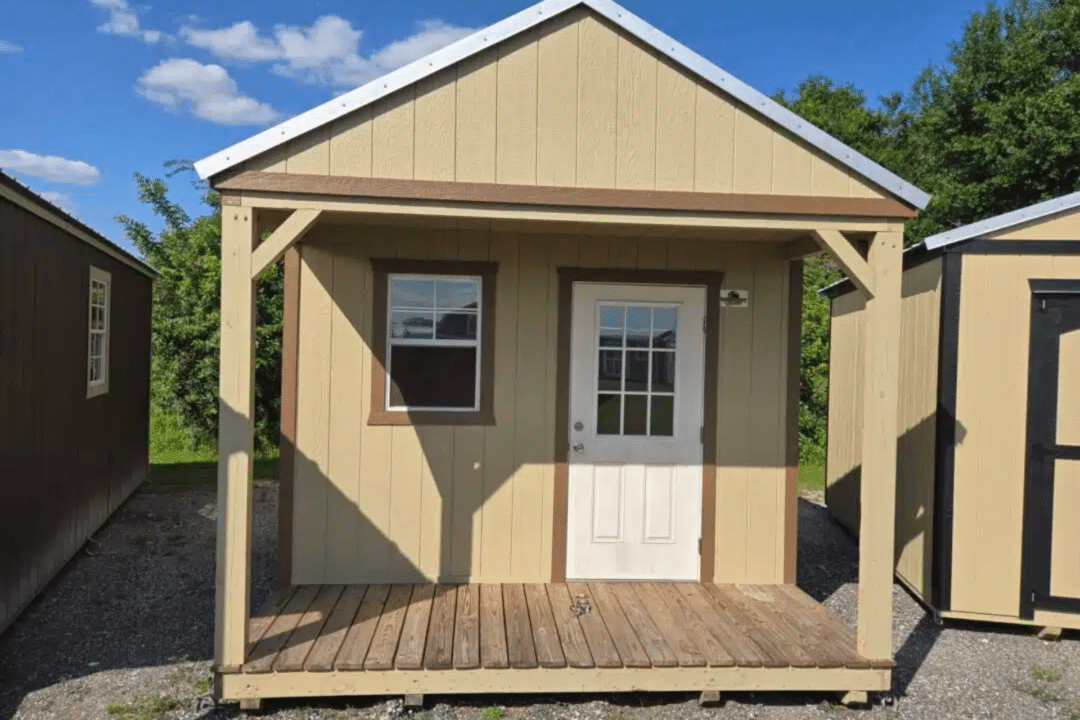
point(334, 628)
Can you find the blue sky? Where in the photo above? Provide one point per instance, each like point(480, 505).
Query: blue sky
point(95, 90)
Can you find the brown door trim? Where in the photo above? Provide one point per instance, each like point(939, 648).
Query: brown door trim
point(711, 281)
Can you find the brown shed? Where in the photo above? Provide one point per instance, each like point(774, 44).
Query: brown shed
point(74, 387)
point(541, 346)
point(988, 462)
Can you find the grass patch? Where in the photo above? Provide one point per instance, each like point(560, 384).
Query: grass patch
point(492, 713)
point(812, 475)
point(1046, 674)
point(146, 707)
point(1073, 712)
point(1040, 691)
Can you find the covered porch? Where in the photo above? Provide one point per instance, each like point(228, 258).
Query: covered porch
point(317, 640)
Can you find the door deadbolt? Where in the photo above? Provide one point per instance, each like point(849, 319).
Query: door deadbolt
point(579, 426)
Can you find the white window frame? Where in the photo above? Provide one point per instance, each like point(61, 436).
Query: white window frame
point(100, 386)
point(391, 341)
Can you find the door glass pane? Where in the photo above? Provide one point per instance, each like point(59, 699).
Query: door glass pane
point(663, 330)
point(634, 420)
point(609, 371)
point(612, 316)
point(637, 370)
point(608, 411)
point(663, 372)
point(638, 326)
point(662, 416)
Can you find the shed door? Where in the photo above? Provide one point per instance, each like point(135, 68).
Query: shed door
point(1052, 491)
point(634, 505)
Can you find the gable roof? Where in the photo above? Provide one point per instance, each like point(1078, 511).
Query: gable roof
point(1004, 221)
point(25, 198)
point(530, 17)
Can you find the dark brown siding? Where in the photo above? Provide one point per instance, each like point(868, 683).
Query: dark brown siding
point(67, 461)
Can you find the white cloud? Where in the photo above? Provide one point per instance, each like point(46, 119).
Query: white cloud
point(60, 200)
point(326, 52)
point(206, 90)
point(8, 48)
point(123, 21)
point(49, 167)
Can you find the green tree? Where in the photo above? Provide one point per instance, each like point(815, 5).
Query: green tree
point(187, 314)
point(998, 126)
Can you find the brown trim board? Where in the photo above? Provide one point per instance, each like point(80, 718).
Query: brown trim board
point(381, 268)
point(791, 445)
point(712, 282)
point(446, 191)
point(290, 335)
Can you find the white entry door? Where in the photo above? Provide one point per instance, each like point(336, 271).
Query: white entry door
point(634, 505)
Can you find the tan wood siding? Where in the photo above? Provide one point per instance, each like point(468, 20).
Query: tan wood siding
point(991, 416)
point(404, 504)
point(1063, 226)
point(920, 320)
point(573, 102)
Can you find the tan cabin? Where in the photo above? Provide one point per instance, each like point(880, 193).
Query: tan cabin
point(540, 384)
point(988, 465)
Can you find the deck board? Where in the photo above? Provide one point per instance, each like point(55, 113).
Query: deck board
point(674, 627)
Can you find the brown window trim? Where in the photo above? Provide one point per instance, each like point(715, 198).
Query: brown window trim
point(382, 268)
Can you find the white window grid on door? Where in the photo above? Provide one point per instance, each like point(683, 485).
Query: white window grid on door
point(432, 341)
point(625, 350)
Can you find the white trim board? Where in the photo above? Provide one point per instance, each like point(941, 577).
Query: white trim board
point(1004, 221)
point(530, 17)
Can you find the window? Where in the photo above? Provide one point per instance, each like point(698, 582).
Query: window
point(97, 378)
point(436, 344)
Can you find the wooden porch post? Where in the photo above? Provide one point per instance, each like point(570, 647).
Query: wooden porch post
point(236, 427)
point(878, 486)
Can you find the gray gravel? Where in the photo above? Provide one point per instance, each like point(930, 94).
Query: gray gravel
point(127, 632)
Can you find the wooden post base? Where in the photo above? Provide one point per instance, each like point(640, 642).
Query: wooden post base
point(709, 698)
point(252, 706)
point(855, 697)
point(1050, 634)
point(414, 702)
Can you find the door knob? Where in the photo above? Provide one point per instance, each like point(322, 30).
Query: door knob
point(578, 447)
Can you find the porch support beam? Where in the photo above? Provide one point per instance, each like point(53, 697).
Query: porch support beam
point(287, 234)
point(236, 427)
point(881, 346)
point(799, 249)
point(848, 258)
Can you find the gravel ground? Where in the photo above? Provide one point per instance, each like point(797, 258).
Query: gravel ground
point(126, 632)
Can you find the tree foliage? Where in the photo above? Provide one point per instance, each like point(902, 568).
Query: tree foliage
point(187, 315)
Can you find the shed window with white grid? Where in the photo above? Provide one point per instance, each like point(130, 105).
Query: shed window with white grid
point(98, 324)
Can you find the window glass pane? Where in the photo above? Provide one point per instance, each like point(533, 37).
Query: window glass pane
point(635, 417)
point(432, 376)
point(612, 316)
point(637, 370)
point(638, 321)
point(96, 344)
point(607, 414)
point(663, 372)
point(454, 294)
point(609, 370)
point(455, 326)
point(664, 321)
point(411, 324)
point(410, 292)
point(662, 416)
point(610, 338)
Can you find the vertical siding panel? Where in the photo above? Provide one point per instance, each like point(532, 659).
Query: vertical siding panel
point(436, 119)
point(468, 497)
point(844, 456)
point(310, 154)
point(597, 101)
point(516, 107)
point(350, 145)
point(737, 354)
point(714, 144)
point(635, 158)
point(310, 474)
point(499, 536)
point(532, 435)
point(344, 531)
point(623, 252)
point(827, 178)
point(652, 253)
point(791, 172)
point(392, 130)
point(753, 153)
point(477, 85)
point(676, 100)
point(556, 112)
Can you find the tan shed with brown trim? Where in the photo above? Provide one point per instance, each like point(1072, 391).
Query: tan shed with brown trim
point(988, 461)
point(542, 332)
